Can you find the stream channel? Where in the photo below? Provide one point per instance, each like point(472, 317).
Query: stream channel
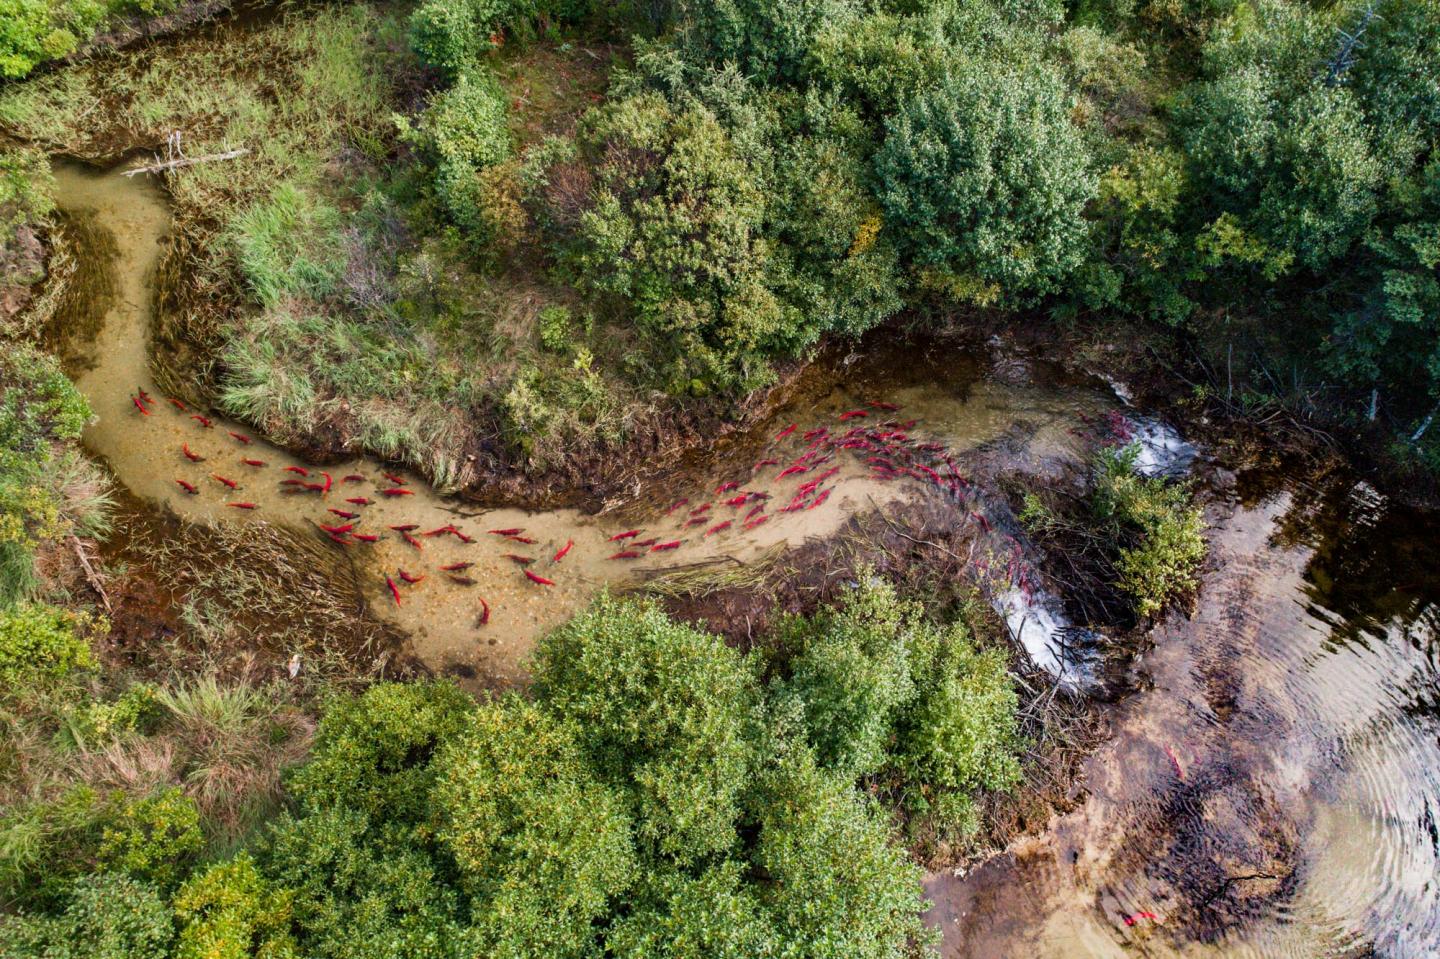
point(1268, 788)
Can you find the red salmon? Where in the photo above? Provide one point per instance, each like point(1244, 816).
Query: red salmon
point(562, 551)
point(396, 491)
point(241, 437)
point(243, 505)
point(538, 579)
point(456, 567)
point(394, 590)
point(718, 527)
point(139, 406)
point(658, 547)
point(228, 482)
point(190, 454)
point(628, 534)
point(188, 487)
point(411, 578)
point(360, 501)
point(297, 469)
point(484, 613)
point(786, 431)
point(343, 514)
point(516, 558)
point(203, 421)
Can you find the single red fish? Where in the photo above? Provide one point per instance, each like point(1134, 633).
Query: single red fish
point(190, 454)
point(786, 431)
point(827, 474)
point(766, 462)
point(853, 415)
point(538, 579)
point(757, 509)
point(697, 521)
point(636, 544)
point(243, 505)
point(337, 530)
point(1130, 920)
point(562, 551)
point(139, 406)
point(411, 578)
point(700, 510)
point(513, 530)
point(176, 403)
point(522, 539)
point(726, 487)
point(628, 534)
point(292, 482)
point(627, 554)
point(241, 437)
point(360, 501)
point(366, 537)
point(394, 590)
point(484, 613)
point(203, 421)
point(887, 407)
point(439, 530)
point(394, 479)
point(248, 462)
point(405, 527)
point(980, 518)
point(456, 567)
point(343, 514)
point(738, 501)
point(678, 504)
point(314, 487)
point(228, 482)
point(461, 580)
point(792, 469)
point(328, 482)
point(522, 560)
point(353, 478)
point(297, 469)
point(188, 487)
point(396, 491)
point(145, 396)
point(412, 541)
point(1175, 761)
point(717, 528)
point(757, 521)
point(658, 547)
point(824, 495)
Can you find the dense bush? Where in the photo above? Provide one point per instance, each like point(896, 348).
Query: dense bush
point(986, 178)
point(465, 132)
point(453, 35)
point(652, 798)
point(106, 916)
point(40, 642)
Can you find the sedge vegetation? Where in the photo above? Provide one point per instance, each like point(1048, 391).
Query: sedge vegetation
point(657, 794)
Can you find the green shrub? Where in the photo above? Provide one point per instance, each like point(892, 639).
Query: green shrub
point(960, 733)
point(1158, 529)
point(154, 838)
point(453, 35)
point(554, 323)
point(230, 911)
point(851, 673)
point(662, 711)
point(986, 179)
point(106, 916)
point(465, 131)
point(836, 886)
point(357, 895)
point(769, 39)
point(541, 843)
point(40, 642)
point(373, 752)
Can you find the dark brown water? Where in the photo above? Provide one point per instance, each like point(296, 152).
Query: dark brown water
point(1274, 792)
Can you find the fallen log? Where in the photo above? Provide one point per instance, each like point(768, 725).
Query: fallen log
point(186, 161)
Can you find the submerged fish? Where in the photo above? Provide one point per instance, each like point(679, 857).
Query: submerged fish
point(562, 551)
point(538, 579)
point(188, 487)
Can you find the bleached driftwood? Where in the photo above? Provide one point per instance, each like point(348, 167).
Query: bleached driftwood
point(187, 161)
point(90, 573)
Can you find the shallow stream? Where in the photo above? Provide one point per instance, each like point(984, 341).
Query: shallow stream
point(1272, 789)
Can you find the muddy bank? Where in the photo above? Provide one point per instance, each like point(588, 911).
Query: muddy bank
point(1269, 791)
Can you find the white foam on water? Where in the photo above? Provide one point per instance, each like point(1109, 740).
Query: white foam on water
point(1036, 623)
point(1162, 451)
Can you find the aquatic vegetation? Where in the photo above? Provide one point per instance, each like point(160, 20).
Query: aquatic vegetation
point(1156, 527)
